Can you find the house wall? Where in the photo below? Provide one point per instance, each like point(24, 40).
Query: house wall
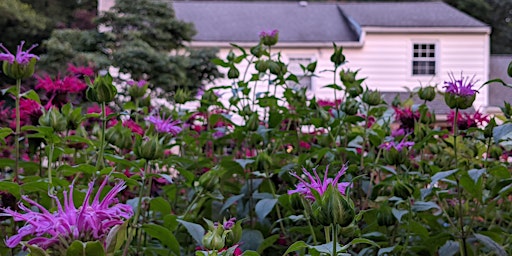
point(386, 61)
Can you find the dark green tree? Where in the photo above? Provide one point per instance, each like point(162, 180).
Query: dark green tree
point(142, 38)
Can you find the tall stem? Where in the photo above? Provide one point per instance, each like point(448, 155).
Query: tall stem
point(99, 163)
point(459, 188)
point(334, 238)
point(18, 131)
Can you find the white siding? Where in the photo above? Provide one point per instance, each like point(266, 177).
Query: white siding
point(386, 61)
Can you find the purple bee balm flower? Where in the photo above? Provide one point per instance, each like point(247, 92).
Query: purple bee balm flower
point(92, 221)
point(164, 125)
point(315, 183)
point(139, 83)
point(271, 33)
point(388, 145)
point(228, 224)
point(22, 57)
point(460, 87)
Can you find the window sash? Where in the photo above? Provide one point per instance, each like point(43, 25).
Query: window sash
point(424, 59)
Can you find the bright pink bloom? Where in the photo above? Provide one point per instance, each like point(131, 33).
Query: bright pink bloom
point(22, 57)
point(132, 125)
point(460, 87)
point(68, 84)
point(328, 103)
point(315, 183)
point(164, 125)
point(80, 71)
point(30, 111)
point(97, 109)
point(304, 145)
point(90, 222)
point(467, 120)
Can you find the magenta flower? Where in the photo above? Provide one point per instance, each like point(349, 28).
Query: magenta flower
point(228, 224)
point(80, 71)
point(22, 57)
point(388, 145)
point(270, 33)
point(467, 120)
point(90, 222)
point(460, 87)
point(164, 125)
point(315, 183)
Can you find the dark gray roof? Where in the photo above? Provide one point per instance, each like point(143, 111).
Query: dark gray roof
point(408, 14)
point(243, 21)
point(498, 69)
point(239, 21)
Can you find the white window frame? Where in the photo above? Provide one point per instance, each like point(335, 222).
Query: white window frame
point(304, 60)
point(427, 58)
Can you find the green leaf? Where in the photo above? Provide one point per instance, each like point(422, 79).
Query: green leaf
point(441, 175)
point(35, 250)
point(195, 230)
point(264, 207)
point(116, 237)
point(299, 245)
point(360, 240)
point(386, 251)
point(230, 202)
point(251, 239)
point(269, 241)
point(31, 95)
point(77, 248)
point(476, 173)
point(450, 248)
point(502, 132)
point(94, 249)
point(250, 253)
point(491, 244)
point(399, 213)
point(11, 187)
point(420, 206)
point(159, 204)
point(164, 235)
point(327, 248)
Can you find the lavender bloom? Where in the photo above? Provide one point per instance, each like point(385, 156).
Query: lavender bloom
point(460, 87)
point(388, 145)
point(269, 38)
point(22, 57)
point(228, 224)
point(315, 183)
point(140, 83)
point(164, 126)
point(90, 222)
point(268, 33)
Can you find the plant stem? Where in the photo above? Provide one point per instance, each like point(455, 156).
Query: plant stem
point(464, 251)
point(99, 163)
point(334, 238)
point(18, 131)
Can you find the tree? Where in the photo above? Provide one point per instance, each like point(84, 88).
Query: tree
point(144, 39)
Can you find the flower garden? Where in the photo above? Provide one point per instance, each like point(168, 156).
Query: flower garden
point(90, 167)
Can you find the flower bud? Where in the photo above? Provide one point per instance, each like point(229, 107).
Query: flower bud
point(257, 51)
point(138, 90)
point(269, 38)
point(402, 190)
point(119, 136)
point(333, 208)
point(509, 69)
point(17, 70)
point(337, 57)
point(263, 161)
point(102, 90)
point(488, 130)
point(214, 240)
point(149, 148)
point(233, 73)
point(181, 96)
point(372, 97)
point(261, 65)
point(385, 216)
point(209, 180)
point(459, 101)
point(427, 93)
point(234, 235)
point(54, 119)
point(350, 107)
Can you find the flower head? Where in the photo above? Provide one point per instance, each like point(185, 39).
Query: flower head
point(22, 57)
point(316, 183)
point(92, 221)
point(164, 125)
point(269, 38)
point(460, 87)
point(399, 146)
point(139, 83)
point(80, 70)
point(467, 120)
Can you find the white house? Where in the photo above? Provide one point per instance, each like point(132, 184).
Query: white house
point(395, 45)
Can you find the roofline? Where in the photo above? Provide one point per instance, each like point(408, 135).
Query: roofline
point(428, 30)
point(224, 44)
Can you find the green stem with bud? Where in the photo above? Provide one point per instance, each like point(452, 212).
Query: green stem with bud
point(99, 163)
point(18, 131)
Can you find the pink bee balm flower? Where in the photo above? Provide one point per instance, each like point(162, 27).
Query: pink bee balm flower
point(315, 183)
point(80, 70)
point(164, 125)
point(22, 57)
point(92, 221)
